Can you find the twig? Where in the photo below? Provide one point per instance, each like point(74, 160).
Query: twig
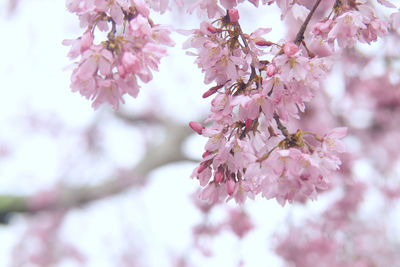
point(281, 127)
point(300, 34)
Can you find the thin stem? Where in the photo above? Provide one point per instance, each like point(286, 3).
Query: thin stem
point(266, 155)
point(253, 70)
point(111, 34)
point(300, 34)
point(281, 127)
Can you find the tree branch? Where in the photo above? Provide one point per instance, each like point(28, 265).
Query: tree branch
point(73, 197)
point(300, 34)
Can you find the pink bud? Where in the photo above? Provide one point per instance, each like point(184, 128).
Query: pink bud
point(263, 42)
point(230, 187)
point(249, 122)
point(271, 70)
point(209, 92)
point(202, 167)
point(205, 154)
point(233, 15)
point(213, 29)
point(197, 127)
point(212, 90)
point(290, 49)
point(219, 175)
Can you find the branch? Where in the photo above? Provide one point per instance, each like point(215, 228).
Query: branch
point(300, 34)
point(73, 197)
point(147, 118)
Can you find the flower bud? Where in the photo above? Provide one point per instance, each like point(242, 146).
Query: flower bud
point(263, 42)
point(219, 175)
point(212, 29)
point(209, 92)
point(230, 187)
point(202, 167)
point(233, 15)
point(249, 122)
point(205, 154)
point(212, 90)
point(271, 70)
point(197, 127)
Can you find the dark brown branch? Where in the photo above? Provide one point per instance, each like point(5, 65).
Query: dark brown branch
point(300, 34)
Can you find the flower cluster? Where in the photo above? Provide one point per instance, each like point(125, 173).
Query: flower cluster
point(349, 24)
point(250, 150)
point(133, 49)
point(260, 86)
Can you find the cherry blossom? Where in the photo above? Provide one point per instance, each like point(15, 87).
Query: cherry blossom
point(250, 149)
point(107, 71)
point(249, 108)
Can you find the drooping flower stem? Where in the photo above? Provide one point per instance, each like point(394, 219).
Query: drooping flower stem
point(281, 127)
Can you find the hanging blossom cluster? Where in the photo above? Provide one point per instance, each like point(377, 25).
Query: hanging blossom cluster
point(133, 48)
point(350, 22)
point(260, 86)
point(250, 150)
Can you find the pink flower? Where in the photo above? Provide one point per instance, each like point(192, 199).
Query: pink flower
point(79, 45)
point(212, 193)
point(97, 59)
point(107, 92)
point(111, 7)
point(141, 7)
point(211, 6)
point(346, 28)
point(130, 62)
point(331, 140)
point(323, 27)
point(239, 222)
point(107, 71)
point(228, 4)
point(86, 41)
point(290, 49)
point(203, 173)
point(140, 27)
